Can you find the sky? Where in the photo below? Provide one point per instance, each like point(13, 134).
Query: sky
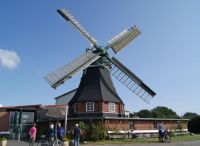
point(35, 40)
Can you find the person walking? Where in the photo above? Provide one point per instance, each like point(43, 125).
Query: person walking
point(60, 132)
point(32, 134)
point(77, 133)
point(51, 133)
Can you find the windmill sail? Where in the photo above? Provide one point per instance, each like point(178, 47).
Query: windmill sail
point(117, 69)
point(67, 15)
point(124, 38)
point(60, 75)
point(130, 80)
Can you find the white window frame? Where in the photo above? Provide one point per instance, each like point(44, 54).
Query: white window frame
point(89, 105)
point(111, 107)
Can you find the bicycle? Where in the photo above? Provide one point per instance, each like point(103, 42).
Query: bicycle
point(46, 141)
point(165, 137)
point(57, 142)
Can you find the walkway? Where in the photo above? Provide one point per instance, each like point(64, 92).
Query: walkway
point(190, 143)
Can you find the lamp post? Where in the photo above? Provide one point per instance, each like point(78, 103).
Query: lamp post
point(66, 113)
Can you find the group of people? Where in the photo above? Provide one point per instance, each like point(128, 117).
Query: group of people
point(51, 133)
point(59, 132)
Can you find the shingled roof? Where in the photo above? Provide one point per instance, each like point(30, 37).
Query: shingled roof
point(96, 85)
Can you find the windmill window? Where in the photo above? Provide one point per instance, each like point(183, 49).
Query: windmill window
point(75, 107)
point(111, 107)
point(89, 106)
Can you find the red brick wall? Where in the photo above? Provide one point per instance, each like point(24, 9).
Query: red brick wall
point(99, 107)
point(105, 107)
point(81, 107)
point(143, 125)
point(4, 120)
point(117, 124)
point(150, 125)
point(118, 107)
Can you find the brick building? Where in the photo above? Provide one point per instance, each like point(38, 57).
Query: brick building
point(18, 119)
point(95, 101)
point(43, 115)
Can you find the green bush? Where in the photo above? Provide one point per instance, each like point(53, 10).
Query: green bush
point(97, 132)
point(83, 126)
point(194, 125)
point(84, 130)
point(3, 138)
point(66, 139)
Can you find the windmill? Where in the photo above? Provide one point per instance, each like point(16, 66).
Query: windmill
point(98, 55)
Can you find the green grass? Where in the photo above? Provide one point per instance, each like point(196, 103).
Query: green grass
point(147, 140)
point(186, 138)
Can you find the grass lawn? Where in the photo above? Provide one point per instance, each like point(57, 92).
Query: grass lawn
point(147, 140)
point(186, 138)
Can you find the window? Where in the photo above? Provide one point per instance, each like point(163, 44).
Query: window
point(89, 106)
point(27, 117)
point(155, 125)
point(75, 107)
point(132, 125)
point(179, 125)
point(111, 107)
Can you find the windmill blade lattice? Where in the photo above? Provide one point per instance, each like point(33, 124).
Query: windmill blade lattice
point(130, 80)
point(68, 17)
point(117, 69)
point(123, 39)
point(60, 75)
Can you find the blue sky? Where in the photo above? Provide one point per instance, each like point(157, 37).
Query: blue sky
point(35, 40)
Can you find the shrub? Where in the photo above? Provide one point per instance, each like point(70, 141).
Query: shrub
point(3, 138)
point(193, 125)
point(97, 132)
point(66, 139)
point(84, 130)
point(83, 126)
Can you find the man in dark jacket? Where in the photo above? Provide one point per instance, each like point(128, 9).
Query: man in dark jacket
point(60, 132)
point(77, 133)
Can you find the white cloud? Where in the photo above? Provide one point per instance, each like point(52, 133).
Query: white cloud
point(1, 105)
point(9, 59)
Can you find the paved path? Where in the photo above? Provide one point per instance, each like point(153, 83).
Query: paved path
point(190, 143)
point(16, 143)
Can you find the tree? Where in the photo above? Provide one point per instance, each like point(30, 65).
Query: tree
point(194, 125)
point(131, 115)
point(145, 113)
point(189, 115)
point(163, 112)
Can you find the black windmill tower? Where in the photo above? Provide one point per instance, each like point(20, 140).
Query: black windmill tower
point(96, 86)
